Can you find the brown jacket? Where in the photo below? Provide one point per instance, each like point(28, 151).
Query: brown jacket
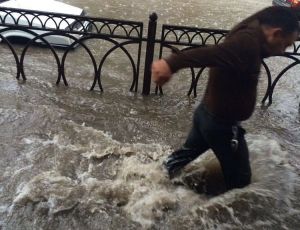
point(234, 69)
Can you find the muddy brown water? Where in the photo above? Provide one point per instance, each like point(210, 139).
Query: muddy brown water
point(75, 159)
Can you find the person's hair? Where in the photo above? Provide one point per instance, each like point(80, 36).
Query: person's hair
point(275, 16)
point(278, 16)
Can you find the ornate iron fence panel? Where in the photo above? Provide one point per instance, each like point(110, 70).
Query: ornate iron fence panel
point(293, 53)
point(188, 37)
point(173, 37)
point(70, 31)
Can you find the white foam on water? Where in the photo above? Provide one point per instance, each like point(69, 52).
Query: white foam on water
point(99, 192)
point(137, 184)
point(286, 96)
point(151, 206)
point(10, 115)
point(266, 156)
point(55, 189)
point(17, 172)
point(136, 181)
point(3, 208)
point(273, 187)
point(154, 196)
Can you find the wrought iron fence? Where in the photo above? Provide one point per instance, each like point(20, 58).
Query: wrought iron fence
point(294, 56)
point(68, 31)
point(71, 31)
point(189, 37)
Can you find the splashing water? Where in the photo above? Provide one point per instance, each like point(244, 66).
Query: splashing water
point(72, 159)
point(97, 171)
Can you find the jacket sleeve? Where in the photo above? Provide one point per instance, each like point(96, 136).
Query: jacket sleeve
point(236, 54)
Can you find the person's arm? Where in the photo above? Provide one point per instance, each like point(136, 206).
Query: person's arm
point(237, 54)
point(234, 54)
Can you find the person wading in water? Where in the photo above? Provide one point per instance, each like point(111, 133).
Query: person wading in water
point(230, 95)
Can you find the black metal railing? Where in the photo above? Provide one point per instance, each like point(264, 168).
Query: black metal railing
point(294, 56)
point(73, 31)
point(173, 37)
point(76, 24)
point(70, 31)
point(188, 37)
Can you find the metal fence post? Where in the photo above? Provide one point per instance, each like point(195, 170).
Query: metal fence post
point(149, 52)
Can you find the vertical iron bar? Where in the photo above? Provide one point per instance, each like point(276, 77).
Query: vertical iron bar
point(139, 58)
point(149, 53)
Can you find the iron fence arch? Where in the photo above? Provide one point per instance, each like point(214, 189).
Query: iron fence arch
point(269, 94)
point(30, 43)
point(119, 33)
point(218, 36)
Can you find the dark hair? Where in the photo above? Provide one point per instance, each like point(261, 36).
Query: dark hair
point(278, 16)
point(274, 16)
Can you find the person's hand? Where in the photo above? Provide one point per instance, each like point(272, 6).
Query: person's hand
point(161, 72)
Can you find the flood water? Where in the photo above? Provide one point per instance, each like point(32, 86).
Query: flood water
point(76, 159)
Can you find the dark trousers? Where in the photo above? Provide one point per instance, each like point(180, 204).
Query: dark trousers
point(208, 132)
